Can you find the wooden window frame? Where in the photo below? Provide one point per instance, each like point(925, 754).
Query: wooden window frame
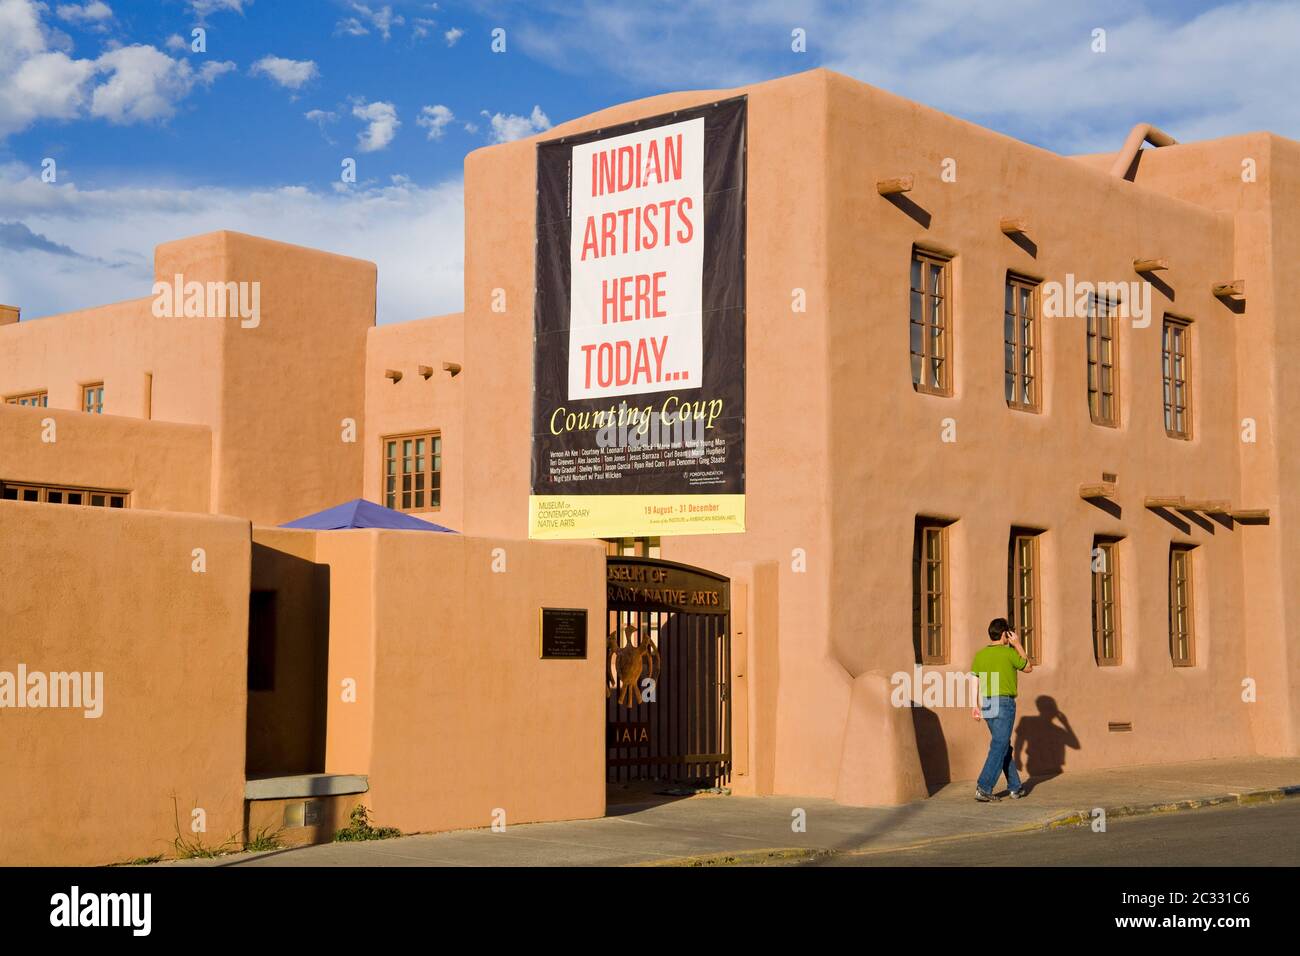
point(1111, 548)
point(394, 499)
point(1029, 630)
point(24, 399)
point(1181, 559)
point(86, 406)
point(929, 261)
point(1015, 375)
point(1106, 330)
point(58, 494)
point(1172, 383)
point(925, 598)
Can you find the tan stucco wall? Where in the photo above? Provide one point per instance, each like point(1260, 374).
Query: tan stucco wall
point(276, 396)
point(843, 454)
point(113, 591)
point(417, 404)
point(1256, 179)
point(166, 467)
point(464, 717)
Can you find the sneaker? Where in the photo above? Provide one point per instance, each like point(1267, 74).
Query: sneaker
point(1018, 794)
point(983, 797)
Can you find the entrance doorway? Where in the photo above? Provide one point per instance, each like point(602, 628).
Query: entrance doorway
point(668, 672)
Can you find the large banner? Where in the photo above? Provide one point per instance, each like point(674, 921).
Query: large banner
point(639, 366)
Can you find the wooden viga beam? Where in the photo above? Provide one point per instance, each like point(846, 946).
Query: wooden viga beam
point(1158, 264)
point(894, 187)
point(1172, 501)
point(1250, 516)
point(1100, 489)
point(1209, 507)
point(1236, 289)
point(1014, 225)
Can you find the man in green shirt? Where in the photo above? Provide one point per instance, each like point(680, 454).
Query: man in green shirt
point(997, 665)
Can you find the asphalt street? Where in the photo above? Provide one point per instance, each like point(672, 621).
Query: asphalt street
point(1261, 835)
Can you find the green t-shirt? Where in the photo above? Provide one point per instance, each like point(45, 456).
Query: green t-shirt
point(999, 661)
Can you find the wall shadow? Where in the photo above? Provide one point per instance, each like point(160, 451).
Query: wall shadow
point(1041, 742)
point(932, 747)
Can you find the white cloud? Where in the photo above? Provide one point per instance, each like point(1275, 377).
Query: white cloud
point(350, 26)
point(452, 35)
point(421, 27)
point(177, 43)
point(382, 124)
point(129, 84)
point(435, 119)
point(95, 12)
point(291, 74)
point(98, 244)
point(202, 8)
point(1213, 72)
point(146, 84)
point(507, 126)
point(381, 19)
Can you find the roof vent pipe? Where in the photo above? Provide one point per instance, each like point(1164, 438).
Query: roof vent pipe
point(1139, 134)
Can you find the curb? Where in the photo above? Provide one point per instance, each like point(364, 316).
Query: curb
point(1078, 818)
point(1246, 798)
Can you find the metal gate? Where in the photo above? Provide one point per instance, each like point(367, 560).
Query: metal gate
point(668, 670)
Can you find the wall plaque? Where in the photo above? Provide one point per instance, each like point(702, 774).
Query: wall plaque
point(564, 633)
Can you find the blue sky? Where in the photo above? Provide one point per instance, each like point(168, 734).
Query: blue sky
point(153, 141)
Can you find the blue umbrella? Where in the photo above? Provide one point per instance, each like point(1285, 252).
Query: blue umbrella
point(363, 514)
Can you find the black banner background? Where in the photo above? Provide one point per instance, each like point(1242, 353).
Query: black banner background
point(723, 300)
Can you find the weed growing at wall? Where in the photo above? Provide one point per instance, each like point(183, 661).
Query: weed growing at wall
point(359, 828)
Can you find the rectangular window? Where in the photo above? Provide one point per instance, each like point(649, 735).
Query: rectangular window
point(57, 495)
point(1022, 590)
point(930, 591)
point(33, 399)
point(1182, 647)
point(413, 472)
point(92, 398)
point(1177, 380)
point(1103, 361)
point(930, 324)
point(1105, 601)
point(1020, 343)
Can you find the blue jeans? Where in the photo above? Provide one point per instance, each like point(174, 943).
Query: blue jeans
point(1000, 715)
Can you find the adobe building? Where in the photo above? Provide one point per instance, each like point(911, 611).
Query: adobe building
point(981, 379)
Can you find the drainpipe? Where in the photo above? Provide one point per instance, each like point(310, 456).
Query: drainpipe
point(1142, 132)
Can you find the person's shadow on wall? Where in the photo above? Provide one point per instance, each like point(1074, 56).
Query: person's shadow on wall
point(1041, 742)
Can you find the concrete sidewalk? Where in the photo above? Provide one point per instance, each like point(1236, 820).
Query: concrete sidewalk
point(706, 830)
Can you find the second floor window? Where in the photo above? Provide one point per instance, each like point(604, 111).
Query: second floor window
point(32, 399)
point(92, 398)
point(929, 324)
point(930, 591)
point(57, 495)
point(413, 472)
point(1020, 343)
point(1103, 361)
point(1022, 591)
point(1178, 409)
point(1181, 647)
point(1105, 601)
